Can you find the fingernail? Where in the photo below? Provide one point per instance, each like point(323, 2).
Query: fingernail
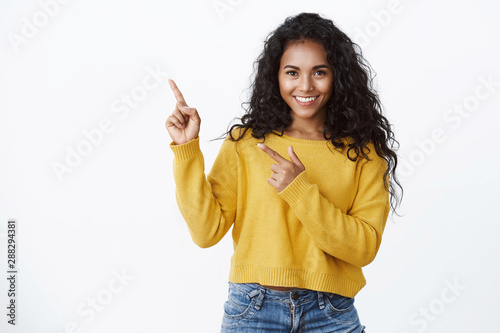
point(260, 145)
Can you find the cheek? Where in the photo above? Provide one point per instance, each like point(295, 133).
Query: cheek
point(325, 88)
point(285, 88)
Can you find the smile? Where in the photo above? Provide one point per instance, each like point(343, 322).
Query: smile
point(305, 99)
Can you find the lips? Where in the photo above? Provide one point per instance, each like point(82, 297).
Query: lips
point(305, 100)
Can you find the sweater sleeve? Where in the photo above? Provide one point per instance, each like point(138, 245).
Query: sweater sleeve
point(208, 204)
point(355, 236)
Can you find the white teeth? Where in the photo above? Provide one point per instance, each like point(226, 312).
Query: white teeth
point(305, 100)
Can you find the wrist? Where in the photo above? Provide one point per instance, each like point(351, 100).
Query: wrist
point(185, 150)
point(181, 142)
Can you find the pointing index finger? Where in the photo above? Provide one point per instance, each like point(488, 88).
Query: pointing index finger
point(273, 154)
point(177, 92)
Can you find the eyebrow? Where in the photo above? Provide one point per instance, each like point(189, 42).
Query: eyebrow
point(315, 67)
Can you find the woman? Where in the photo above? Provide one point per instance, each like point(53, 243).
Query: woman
point(307, 180)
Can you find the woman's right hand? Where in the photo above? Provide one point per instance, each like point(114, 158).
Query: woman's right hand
point(183, 125)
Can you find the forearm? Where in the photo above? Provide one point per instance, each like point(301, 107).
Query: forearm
point(354, 238)
point(199, 199)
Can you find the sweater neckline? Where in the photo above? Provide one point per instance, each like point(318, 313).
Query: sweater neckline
point(304, 141)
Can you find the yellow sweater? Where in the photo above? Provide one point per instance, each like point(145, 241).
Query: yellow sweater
point(315, 234)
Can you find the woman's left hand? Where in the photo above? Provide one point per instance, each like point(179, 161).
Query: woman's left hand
point(285, 171)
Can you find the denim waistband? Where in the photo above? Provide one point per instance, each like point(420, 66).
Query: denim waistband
point(249, 288)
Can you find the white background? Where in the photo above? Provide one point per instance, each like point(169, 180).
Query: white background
point(115, 212)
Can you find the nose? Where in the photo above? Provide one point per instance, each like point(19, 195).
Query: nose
point(305, 83)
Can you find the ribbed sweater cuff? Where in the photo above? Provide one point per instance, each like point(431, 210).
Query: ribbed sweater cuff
point(186, 150)
point(296, 188)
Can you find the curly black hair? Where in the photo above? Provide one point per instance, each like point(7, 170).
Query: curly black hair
point(353, 111)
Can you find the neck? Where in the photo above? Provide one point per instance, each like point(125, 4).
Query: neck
point(311, 126)
point(305, 132)
point(306, 127)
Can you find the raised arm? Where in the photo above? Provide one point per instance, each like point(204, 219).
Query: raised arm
point(207, 203)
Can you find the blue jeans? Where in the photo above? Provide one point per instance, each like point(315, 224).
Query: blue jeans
point(251, 307)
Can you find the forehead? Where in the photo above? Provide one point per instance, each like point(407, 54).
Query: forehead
point(307, 53)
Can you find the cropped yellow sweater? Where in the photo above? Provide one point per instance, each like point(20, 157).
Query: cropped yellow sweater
point(315, 234)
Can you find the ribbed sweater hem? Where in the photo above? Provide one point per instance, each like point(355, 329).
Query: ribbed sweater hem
point(288, 277)
point(186, 150)
point(296, 188)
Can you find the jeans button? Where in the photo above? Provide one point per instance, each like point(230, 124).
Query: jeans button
point(295, 297)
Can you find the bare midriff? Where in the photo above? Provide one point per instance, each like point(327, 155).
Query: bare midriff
point(278, 288)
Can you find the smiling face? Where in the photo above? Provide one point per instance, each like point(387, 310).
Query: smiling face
point(305, 80)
